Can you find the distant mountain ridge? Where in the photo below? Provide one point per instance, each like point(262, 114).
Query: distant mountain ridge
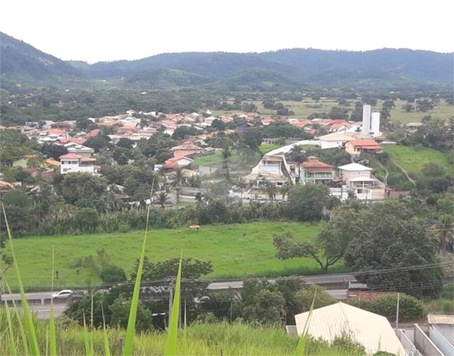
point(19, 60)
point(284, 69)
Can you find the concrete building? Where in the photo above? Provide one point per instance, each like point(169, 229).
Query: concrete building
point(72, 163)
point(366, 119)
point(371, 330)
point(375, 125)
point(271, 168)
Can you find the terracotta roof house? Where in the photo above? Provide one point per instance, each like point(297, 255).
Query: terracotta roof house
point(186, 150)
point(315, 171)
point(52, 163)
point(357, 147)
point(93, 133)
point(176, 162)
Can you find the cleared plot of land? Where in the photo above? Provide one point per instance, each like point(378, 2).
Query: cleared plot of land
point(236, 251)
point(413, 159)
point(216, 156)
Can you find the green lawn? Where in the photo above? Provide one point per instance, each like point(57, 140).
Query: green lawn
point(236, 251)
point(413, 159)
point(215, 157)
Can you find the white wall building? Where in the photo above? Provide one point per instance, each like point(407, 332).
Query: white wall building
point(72, 163)
point(371, 330)
point(366, 119)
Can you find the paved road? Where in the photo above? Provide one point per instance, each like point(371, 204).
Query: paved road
point(325, 280)
point(43, 311)
point(331, 282)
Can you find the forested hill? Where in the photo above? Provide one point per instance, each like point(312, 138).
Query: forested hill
point(278, 70)
point(20, 61)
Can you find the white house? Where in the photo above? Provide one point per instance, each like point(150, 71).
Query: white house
point(271, 168)
point(72, 163)
point(359, 180)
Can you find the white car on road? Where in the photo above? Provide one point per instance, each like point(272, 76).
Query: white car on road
point(66, 293)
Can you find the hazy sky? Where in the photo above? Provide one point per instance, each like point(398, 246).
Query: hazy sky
point(110, 30)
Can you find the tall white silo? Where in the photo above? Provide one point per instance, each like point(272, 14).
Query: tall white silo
point(375, 124)
point(366, 119)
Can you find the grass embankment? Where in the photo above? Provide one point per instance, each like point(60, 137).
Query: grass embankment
point(215, 157)
point(236, 251)
point(413, 159)
point(201, 339)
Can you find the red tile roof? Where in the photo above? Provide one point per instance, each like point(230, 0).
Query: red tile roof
point(365, 143)
point(94, 133)
point(70, 156)
point(316, 164)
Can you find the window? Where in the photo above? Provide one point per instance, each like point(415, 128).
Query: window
point(74, 162)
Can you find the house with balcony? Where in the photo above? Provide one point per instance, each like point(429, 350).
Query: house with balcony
point(73, 163)
point(316, 172)
point(359, 180)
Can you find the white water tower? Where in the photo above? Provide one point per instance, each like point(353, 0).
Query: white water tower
point(366, 119)
point(375, 124)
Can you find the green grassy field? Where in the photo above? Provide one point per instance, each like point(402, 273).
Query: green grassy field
point(413, 159)
point(236, 251)
point(216, 156)
point(308, 106)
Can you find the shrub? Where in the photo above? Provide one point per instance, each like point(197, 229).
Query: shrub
point(305, 297)
point(87, 219)
point(409, 307)
point(125, 227)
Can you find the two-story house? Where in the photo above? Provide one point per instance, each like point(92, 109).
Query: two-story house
point(73, 163)
point(359, 180)
point(315, 171)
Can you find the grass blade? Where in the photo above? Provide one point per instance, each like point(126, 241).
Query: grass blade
point(305, 335)
point(12, 344)
point(171, 342)
point(106, 339)
point(131, 329)
point(32, 340)
point(88, 350)
point(52, 335)
point(21, 326)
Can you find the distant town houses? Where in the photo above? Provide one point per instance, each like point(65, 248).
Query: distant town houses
point(355, 138)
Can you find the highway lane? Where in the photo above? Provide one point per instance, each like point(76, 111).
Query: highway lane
point(43, 311)
point(326, 280)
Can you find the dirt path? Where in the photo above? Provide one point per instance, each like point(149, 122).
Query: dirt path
point(404, 172)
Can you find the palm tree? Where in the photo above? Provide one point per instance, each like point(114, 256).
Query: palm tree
point(285, 189)
point(162, 199)
point(178, 182)
point(242, 184)
point(270, 190)
point(199, 197)
point(297, 155)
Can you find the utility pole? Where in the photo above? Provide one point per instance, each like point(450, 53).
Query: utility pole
point(397, 315)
